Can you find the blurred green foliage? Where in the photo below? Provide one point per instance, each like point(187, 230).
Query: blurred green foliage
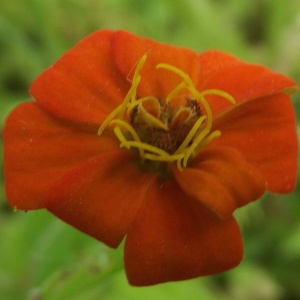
point(42, 258)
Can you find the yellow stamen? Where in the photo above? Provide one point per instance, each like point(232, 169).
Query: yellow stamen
point(130, 97)
point(119, 134)
point(198, 137)
point(132, 105)
point(152, 149)
point(144, 113)
point(191, 134)
point(203, 143)
point(109, 118)
point(219, 93)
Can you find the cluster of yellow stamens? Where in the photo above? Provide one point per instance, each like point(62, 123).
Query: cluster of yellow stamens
point(198, 136)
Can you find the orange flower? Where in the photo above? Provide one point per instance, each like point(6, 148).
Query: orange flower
point(129, 138)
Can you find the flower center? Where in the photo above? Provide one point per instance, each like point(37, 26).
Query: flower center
point(159, 130)
point(162, 125)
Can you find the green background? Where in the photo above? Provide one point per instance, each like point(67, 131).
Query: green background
point(43, 258)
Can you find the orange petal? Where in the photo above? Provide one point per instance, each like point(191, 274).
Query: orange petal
point(264, 131)
point(222, 180)
point(128, 49)
point(100, 197)
point(83, 85)
point(176, 238)
point(244, 81)
point(39, 149)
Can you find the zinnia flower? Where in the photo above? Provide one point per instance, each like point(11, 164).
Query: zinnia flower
point(131, 139)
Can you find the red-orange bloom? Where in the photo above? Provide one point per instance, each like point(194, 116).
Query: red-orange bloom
point(129, 138)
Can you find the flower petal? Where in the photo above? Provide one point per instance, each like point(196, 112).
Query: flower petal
point(83, 85)
point(100, 197)
point(39, 149)
point(176, 238)
point(222, 180)
point(244, 81)
point(264, 131)
point(128, 49)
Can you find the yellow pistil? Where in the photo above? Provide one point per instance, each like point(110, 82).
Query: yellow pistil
point(144, 119)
